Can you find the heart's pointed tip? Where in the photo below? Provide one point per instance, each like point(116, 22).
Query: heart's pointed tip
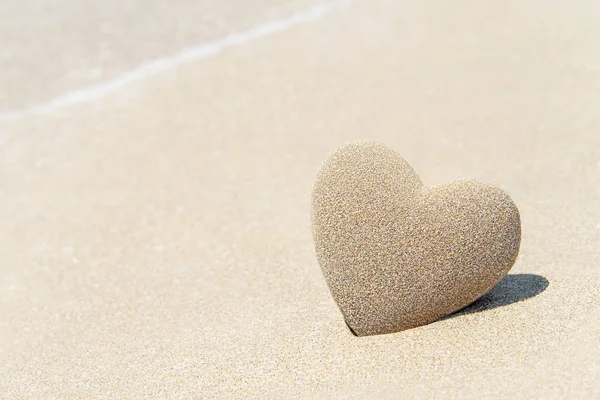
point(351, 330)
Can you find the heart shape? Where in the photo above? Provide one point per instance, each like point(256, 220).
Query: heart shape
point(397, 254)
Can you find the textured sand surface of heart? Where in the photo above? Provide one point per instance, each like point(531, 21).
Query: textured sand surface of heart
point(396, 254)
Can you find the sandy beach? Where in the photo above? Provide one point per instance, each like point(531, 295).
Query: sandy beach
point(156, 167)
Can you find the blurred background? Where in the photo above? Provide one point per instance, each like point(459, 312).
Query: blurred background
point(52, 46)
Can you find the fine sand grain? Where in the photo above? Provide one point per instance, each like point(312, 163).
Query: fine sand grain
point(156, 242)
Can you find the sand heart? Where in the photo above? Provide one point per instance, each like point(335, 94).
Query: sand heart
point(397, 254)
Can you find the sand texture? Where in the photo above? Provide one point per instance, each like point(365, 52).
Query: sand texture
point(396, 254)
point(155, 230)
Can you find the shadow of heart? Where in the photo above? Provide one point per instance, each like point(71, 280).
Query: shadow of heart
point(511, 289)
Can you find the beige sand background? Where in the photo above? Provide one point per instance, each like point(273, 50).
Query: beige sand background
point(155, 241)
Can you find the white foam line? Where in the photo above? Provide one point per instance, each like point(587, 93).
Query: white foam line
point(154, 67)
